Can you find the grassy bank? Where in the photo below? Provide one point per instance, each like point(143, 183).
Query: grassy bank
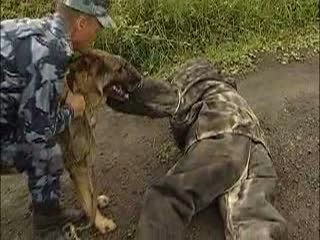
point(155, 34)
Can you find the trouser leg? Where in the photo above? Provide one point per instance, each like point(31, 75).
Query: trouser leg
point(43, 166)
point(44, 175)
point(44, 172)
point(247, 209)
point(206, 171)
point(10, 153)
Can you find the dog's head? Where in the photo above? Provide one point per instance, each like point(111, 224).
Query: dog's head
point(97, 74)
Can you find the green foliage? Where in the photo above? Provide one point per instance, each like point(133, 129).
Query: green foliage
point(25, 8)
point(154, 34)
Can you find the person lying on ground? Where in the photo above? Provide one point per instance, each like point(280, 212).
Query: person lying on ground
point(225, 157)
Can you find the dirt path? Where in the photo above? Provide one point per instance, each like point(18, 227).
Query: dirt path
point(134, 151)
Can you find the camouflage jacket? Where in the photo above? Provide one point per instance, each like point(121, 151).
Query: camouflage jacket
point(34, 60)
point(200, 102)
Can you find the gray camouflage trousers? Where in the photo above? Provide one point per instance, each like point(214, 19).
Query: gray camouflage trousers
point(232, 170)
point(43, 172)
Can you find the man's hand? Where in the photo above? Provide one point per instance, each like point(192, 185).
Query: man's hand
point(77, 102)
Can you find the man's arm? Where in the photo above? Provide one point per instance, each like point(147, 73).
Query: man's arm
point(39, 111)
point(155, 99)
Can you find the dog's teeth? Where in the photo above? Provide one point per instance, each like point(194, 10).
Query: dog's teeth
point(118, 90)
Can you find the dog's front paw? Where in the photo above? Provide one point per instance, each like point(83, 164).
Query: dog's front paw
point(103, 201)
point(104, 224)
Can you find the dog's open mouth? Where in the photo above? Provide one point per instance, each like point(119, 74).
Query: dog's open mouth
point(117, 92)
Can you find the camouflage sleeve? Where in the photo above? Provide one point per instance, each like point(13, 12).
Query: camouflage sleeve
point(39, 110)
point(154, 99)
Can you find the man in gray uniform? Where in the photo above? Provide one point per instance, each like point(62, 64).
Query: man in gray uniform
point(34, 61)
point(225, 157)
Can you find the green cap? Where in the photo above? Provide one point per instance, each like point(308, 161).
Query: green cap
point(97, 8)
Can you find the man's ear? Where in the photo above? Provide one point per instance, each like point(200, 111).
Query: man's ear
point(81, 22)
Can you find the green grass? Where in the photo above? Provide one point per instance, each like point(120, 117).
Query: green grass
point(155, 34)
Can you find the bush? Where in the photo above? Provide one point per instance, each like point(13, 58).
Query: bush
point(155, 33)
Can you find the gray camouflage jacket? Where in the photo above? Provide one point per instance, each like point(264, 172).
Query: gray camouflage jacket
point(199, 101)
point(34, 60)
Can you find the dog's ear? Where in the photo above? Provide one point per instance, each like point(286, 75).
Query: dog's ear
point(85, 72)
point(106, 67)
point(112, 63)
point(95, 66)
point(92, 63)
point(100, 83)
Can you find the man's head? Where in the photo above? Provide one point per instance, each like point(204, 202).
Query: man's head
point(84, 19)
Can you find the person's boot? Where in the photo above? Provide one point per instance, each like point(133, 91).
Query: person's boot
point(49, 218)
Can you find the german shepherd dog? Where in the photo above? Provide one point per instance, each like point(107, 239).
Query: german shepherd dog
point(94, 74)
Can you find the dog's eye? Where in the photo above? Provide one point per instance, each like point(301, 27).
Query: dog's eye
point(120, 70)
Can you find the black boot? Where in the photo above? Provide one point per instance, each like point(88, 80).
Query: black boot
point(49, 218)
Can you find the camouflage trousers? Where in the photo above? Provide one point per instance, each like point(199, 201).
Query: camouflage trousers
point(232, 170)
point(43, 166)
